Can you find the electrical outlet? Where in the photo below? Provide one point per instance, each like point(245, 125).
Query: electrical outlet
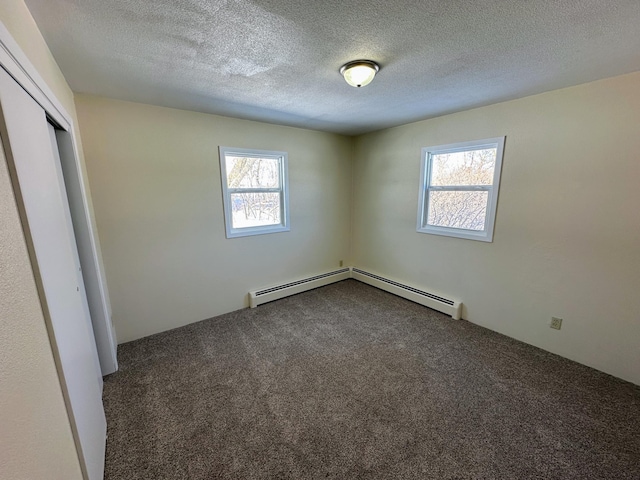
point(340, 262)
point(555, 323)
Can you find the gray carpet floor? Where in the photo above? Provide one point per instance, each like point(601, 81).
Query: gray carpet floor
point(349, 382)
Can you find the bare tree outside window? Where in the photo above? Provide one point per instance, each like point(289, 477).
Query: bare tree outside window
point(460, 209)
point(459, 189)
point(254, 191)
point(250, 208)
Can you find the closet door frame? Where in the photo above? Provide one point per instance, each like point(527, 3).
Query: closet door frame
point(15, 63)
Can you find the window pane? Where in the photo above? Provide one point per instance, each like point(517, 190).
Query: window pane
point(255, 209)
point(251, 172)
point(474, 167)
point(467, 210)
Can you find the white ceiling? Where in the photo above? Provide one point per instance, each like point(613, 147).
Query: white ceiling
point(277, 60)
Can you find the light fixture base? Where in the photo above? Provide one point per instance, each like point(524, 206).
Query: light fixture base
point(359, 73)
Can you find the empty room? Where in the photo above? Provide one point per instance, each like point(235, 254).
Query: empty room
point(269, 239)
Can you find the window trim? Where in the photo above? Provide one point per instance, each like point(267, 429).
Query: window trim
point(485, 235)
point(282, 157)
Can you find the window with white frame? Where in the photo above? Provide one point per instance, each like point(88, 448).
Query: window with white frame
point(255, 191)
point(459, 189)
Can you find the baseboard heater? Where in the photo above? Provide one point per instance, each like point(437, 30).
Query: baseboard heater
point(277, 292)
point(431, 300)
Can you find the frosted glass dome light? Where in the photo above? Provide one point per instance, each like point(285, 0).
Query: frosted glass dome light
point(359, 72)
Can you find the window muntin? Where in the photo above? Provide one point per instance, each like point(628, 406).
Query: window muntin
point(255, 191)
point(459, 189)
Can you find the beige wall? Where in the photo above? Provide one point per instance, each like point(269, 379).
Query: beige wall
point(36, 439)
point(567, 234)
point(155, 178)
point(18, 20)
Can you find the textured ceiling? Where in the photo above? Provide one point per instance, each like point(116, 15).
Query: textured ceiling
point(277, 60)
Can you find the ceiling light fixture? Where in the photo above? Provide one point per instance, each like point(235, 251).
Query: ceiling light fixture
point(359, 72)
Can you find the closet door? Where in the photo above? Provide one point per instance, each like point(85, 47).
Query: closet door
point(28, 145)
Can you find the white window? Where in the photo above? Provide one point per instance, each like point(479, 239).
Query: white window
point(459, 189)
point(255, 191)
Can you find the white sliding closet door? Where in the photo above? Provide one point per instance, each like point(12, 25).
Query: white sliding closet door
point(69, 224)
point(28, 144)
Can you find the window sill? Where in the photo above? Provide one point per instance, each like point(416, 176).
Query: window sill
point(481, 236)
point(250, 231)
